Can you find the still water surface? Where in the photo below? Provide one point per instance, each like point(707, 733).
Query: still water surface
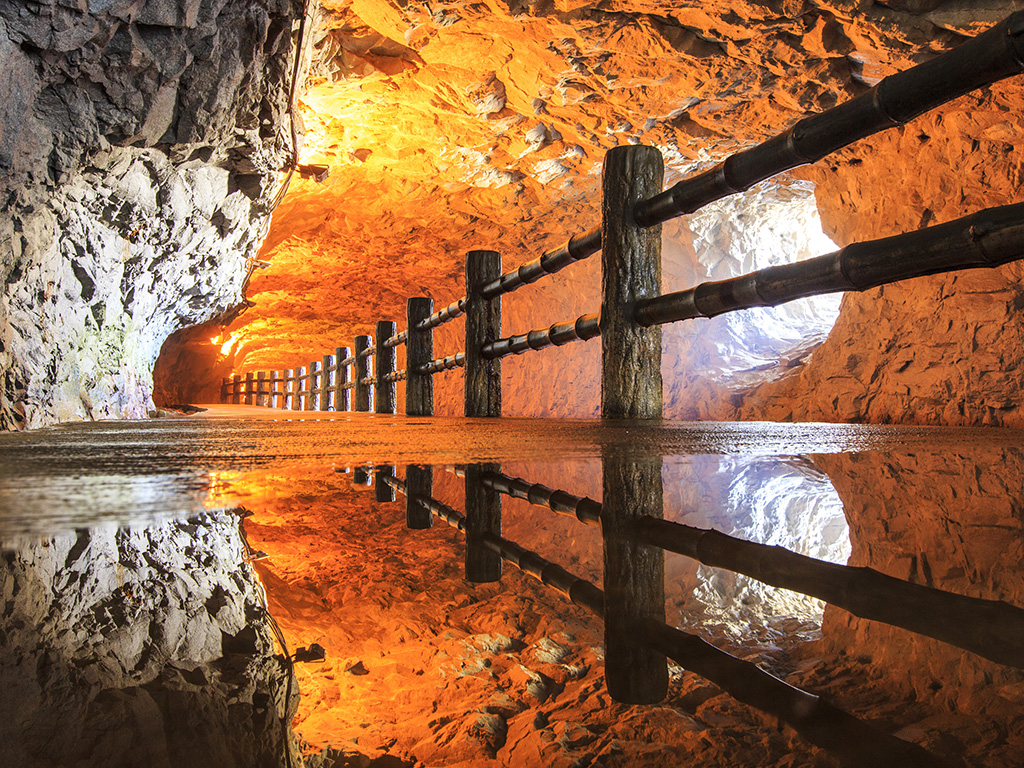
point(936, 507)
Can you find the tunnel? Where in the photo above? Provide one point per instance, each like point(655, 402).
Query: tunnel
point(762, 509)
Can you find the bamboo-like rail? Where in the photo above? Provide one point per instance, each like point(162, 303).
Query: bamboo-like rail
point(989, 238)
point(448, 363)
point(582, 328)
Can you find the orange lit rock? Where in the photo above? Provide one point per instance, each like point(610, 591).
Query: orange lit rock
point(484, 127)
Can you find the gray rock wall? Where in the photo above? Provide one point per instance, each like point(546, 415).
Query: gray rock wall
point(139, 149)
point(139, 647)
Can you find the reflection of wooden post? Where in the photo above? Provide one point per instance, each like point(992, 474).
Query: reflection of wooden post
point(386, 392)
point(630, 271)
point(361, 372)
point(236, 389)
point(325, 383)
point(381, 490)
point(300, 374)
point(342, 395)
point(634, 581)
point(483, 325)
point(419, 483)
point(483, 515)
point(419, 350)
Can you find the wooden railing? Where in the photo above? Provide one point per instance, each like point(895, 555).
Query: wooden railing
point(629, 238)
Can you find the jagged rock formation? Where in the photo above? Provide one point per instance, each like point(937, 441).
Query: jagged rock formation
point(139, 647)
point(139, 150)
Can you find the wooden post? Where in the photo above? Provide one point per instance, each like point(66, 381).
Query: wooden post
point(385, 397)
point(630, 271)
point(236, 389)
point(419, 482)
point(634, 580)
point(275, 378)
point(261, 388)
point(342, 397)
point(483, 325)
point(361, 477)
point(381, 490)
point(325, 383)
point(419, 349)
point(250, 387)
point(300, 373)
point(361, 371)
point(483, 515)
point(314, 368)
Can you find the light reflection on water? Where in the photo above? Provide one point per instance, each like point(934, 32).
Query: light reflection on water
point(939, 507)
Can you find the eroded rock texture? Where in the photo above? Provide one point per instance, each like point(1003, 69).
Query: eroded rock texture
point(139, 647)
point(451, 126)
point(139, 150)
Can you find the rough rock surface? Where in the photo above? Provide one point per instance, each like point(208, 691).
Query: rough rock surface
point(453, 127)
point(139, 647)
point(139, 149)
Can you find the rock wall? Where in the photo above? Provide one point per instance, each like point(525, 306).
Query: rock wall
point(934, 350)
point(139, 647)
point(139, 150)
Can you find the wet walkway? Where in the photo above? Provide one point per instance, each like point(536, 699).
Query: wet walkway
point(79, 474)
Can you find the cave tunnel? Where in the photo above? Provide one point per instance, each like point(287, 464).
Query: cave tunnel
point(809, 553)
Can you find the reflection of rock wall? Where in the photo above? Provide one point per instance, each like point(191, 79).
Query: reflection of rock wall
point(141, 647)
point(138, 151)
point(954, 522)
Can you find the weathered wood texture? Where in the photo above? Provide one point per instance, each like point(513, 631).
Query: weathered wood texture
point(483, 326)
point(419, 350)
point(483, 516)
point(342, 397)
point(634, 580)
point(275, 380)
point(298, 375)
point(382, 488)
point(261, 388)
point(236, 389)
point(311, 385)
point(325, 383)
point(386, 394)
point(630, 271)
point(360, 371)
point(419, 484)
point(361, 477)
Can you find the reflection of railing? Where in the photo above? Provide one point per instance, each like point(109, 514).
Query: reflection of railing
point(637, 639)
point(629, 239)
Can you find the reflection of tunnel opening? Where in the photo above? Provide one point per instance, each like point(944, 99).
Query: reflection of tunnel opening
point(787, 503)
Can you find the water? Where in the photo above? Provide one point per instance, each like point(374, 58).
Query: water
point(141, 600)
